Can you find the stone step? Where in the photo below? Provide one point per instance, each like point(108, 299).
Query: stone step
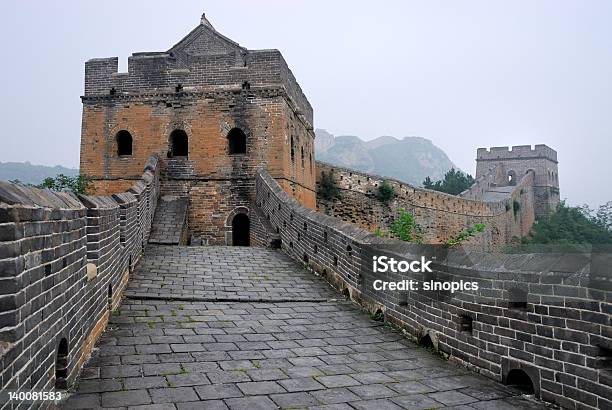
point(169, 223)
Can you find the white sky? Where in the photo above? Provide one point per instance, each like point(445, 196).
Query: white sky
point(462, 73)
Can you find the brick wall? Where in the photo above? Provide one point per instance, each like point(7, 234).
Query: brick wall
point(64, 261)
point(557, 330)
point(441, 216)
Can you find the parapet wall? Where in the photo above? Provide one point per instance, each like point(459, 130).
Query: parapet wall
point(441, 216)
point(160, 73)
point(64, 262)
point(543, 315)
point(517, 152)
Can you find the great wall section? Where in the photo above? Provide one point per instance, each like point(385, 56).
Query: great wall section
point(149, 294)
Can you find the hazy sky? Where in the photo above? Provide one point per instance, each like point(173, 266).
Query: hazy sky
point(464, 74)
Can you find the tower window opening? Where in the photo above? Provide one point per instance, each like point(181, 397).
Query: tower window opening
point(179, 144)
point(124, 143)
point(237, 141)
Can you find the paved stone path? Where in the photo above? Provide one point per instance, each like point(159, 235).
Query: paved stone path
point(219, 352)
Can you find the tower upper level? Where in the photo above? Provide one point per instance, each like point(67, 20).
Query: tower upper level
point(523, 152)
point(203, 60)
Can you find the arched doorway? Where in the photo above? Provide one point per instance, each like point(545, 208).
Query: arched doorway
point(521, 380)
point(241, 227)
point(179, 144)
point(61, 365)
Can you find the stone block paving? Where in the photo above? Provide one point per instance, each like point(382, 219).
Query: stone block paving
point(327, 354)
point(224, 273)
point(169, 220)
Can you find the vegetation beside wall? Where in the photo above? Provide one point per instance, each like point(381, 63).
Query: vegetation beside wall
point(574, 225)
point(454, 182)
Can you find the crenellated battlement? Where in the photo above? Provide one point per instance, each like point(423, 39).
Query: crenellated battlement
point(232, 67)
point(516, 152)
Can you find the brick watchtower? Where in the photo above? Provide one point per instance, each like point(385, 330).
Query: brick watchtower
point(214, 112)
point(515, 162)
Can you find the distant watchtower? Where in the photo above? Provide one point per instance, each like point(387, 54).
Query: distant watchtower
point(517, 161)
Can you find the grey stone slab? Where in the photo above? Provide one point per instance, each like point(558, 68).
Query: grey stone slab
point(372, 391)
point(99, 386)
point(379, 404)
point(218, 391)
point(203, 405)
point(301, 384)
point(82, 401)
point(251, 403)
point(173, 395)
point(120, 371)
point(371, 377)
point(417, 402)
point(294, 400)
point(160, 406)
point(135, 383)
point(189, 379)
point(231, 376)
point(337, 381)
point(452, 398)
point(259, 388)
point(410, 387)
point(335, 395)
point(125, 398)
point(266, 374)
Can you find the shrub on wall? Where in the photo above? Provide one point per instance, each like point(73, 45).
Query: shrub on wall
point(406, 229)
point(80, 184)
point(386, 192)
point(328, 188)
point(465, 235)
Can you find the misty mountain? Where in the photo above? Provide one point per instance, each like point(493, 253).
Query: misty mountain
point(32, 174)
point(409, 159)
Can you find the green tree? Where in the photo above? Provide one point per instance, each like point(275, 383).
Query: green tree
point(386, 192)
point(573, 225)
point(454, 182)
point(405, 228)
point(80, 184)
point(328, 188)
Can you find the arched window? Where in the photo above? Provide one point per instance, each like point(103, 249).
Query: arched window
point(292, 150)
point(124, 143)
point(179, 144)
point(236, 140)
point(61, 364)
point(511, 178)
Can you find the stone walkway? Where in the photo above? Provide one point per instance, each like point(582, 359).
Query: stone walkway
point(169, 220)
point(233, 341)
